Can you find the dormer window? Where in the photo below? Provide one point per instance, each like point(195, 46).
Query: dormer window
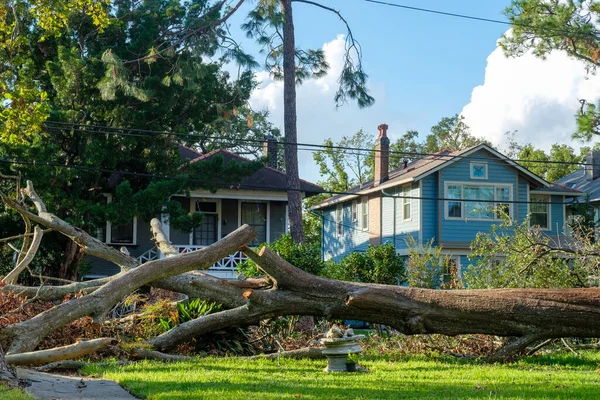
point(479, 170)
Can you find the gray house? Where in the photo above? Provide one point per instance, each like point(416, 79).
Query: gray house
point(259, 200)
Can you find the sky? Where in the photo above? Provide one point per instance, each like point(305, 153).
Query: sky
point(423, 67)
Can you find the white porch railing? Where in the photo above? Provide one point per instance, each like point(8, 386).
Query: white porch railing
point(225, 268)
point(228, 263)
point(150, 255)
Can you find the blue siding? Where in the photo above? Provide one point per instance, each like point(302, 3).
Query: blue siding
point(464, 231)
point(429, 214)
point(523, 207)
point(405, 227)
point(353, 238)
point(388, 219)
point(557, 215)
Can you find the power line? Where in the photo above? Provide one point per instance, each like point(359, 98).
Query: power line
point(448, 14)
point(259, 187)
point(481, 19)
point(307, 146)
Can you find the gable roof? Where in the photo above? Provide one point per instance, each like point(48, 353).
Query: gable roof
point(266, 178)
point(422, 167)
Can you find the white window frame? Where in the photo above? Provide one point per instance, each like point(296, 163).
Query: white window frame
point(193, 201)
point(354, 211)
point(108, 233)
point(268, 203)
point(462, 200)
point(479, 164)
point(406, 201)
point(364, 216)
point(548, 199)
point(339, 220)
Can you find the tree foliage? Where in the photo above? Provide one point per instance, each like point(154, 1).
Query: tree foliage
point(543, 26)
point(80, 147)
point(379, 264)
point(515, 255)
point(451, 133)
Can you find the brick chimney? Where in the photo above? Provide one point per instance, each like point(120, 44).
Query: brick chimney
point(270, 149)
point(592, 165)
point(382, 156)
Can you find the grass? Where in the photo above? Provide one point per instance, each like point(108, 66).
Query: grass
point(13, 394)
point(561, 376)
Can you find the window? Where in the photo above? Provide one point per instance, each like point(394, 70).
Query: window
point(207, 233)
point(479, 170)
point(454, 207)
point(483, 202)
point(255, 215)
point(354, 211)
point(365, 213)
point(123, 234)
point(406, 200)
point(339, 220)
point(539, 211)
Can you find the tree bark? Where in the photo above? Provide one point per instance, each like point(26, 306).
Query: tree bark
point(529, 314)
point(290, 123)
point(28, 334)
point(59, 353)
point(28, 257)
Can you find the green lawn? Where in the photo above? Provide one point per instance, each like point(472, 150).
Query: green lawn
point(13, 394)
point(552, 377)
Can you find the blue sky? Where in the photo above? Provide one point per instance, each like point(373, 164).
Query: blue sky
point(423, 67)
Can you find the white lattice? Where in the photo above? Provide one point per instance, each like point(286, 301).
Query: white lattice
point(150, 255)
point(228, 263)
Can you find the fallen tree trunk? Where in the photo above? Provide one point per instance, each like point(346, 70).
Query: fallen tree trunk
point(529, 315)
point(59, 353)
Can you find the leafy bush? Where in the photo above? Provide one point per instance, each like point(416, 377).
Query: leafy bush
point(304, 256)
point(187, 311)
point(430, 269)
point(379, 264)
point(530, 259)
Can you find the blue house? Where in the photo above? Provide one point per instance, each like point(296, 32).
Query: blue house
point(448, 197)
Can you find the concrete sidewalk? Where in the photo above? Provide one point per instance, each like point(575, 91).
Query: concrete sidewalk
point(59, 387)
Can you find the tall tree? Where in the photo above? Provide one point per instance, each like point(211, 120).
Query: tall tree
point(406, 148)
point(272, 24)
point(536, 159)
point(77, 155)
point(346, 163)
point(543, 26)
point(451, 133)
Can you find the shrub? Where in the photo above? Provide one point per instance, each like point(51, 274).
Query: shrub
point(304, 256)
point(379, 264)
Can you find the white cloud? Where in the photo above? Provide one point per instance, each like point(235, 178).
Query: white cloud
point(539, 98)
point(318, 117)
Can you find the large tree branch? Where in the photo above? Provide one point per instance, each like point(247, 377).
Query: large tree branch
point(27, 334)
point(58, 353)
point(529, 314)
point(90, 245)
point(24, 263)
